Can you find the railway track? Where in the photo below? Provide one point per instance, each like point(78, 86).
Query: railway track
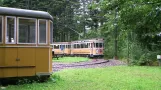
point(88, 64)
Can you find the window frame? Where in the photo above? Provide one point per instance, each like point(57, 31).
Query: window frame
point(46, 32)
point(51, 32)
point(74, 45)
point(14, 30)
point(18, 29)
point(56, 45)
point(68, 46)
point(97, 45)
point(1, 42)
point(100, 45)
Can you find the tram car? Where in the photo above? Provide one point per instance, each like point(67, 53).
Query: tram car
point(90, 47)
point(61, 48)
point(25, 38)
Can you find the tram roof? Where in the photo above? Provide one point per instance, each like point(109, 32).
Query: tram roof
point(88, 40)
point(25, 13)
point(60, 43)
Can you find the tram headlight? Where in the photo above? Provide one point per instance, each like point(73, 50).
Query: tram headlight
point(96, 51)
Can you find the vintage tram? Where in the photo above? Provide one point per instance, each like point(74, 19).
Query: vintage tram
point(25, 38)
point(88, 47)
point(61, 48)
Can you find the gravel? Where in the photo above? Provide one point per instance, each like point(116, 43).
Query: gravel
point(95, 63)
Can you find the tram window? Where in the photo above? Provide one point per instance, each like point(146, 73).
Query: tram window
point(78, 46)
point(11, 30)
point(42, 32)
point(86, 45)
point(82, 45)
point(27, 30)
point(62, 47)
point(66, 46)
point(56, 46)
point(69, 46)
point(51, 32)
point(89, 45)
point(101, 45)
point(97, 45)
point(0, 29)
point(75, 45)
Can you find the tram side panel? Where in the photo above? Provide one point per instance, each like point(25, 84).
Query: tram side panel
point(78, 50)
point(32, 61)
point(1, 61)
point(97, 50)
point(22, 56)
point(10, 56)
point(93, 48)
point(59, 50)
point(43, 61)
point(82, 51)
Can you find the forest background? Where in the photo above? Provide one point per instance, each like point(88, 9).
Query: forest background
point(131, 28)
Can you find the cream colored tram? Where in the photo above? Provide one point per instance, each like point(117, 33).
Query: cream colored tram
point(61, 48)
point(90, 47)
point(25, 38)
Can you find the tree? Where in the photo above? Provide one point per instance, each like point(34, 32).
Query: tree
point(138, 24)
point(63, 12)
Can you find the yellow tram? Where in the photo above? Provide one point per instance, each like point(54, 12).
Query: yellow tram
point(88, 47)
point(25, 38)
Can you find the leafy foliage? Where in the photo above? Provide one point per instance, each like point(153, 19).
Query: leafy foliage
point(133, 26)
point(138, 25)
point(63, 12)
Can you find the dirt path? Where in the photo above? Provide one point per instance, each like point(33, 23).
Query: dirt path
point(57, 66)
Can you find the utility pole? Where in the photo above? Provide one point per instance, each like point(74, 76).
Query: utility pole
point(115, 33)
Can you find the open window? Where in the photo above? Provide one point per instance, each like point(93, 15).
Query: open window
point(101, 45)
point(26, 31)
point(86, 45)
point(81, 45)
point(66, 46)
point(1, 24)
point(97, 45)
point(75, 45)
point(42, 28)
point(10, 30)
point(56, 46)
point(78, 45)
point(69, 46)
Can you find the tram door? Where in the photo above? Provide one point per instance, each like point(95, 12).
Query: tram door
point(26, 61)
point(19, 62)
point(92, 45)
point(10, 62)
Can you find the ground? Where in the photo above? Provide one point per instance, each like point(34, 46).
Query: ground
point(98, 74)
point(94, 63)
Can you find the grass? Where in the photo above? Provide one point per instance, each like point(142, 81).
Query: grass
point(71, 59)
point(110, 78)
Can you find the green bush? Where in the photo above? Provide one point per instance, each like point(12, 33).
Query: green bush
point(138, 55)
